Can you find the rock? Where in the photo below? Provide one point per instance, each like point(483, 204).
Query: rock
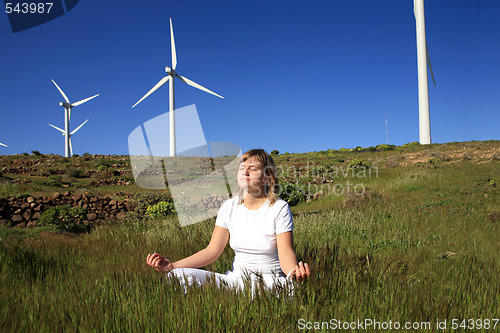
point(121, 215)
point(31, 224)
point(4, 222)
point(56, 195)
point(92, 217)
point(20, 225)
point(30, 199)
point(27, 215)
point(36, 215)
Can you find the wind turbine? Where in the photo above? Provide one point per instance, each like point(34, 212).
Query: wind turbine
point(1, 144)
point(423, 60)
point(68, 147)
point(171, 75)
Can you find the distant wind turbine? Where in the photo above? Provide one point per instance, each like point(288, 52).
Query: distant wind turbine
point(423, 60)
point(1, 144)
point(170, 78)
point(68, 147)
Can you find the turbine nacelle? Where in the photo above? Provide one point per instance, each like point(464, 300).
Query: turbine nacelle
point(170, 71)
point(66, 105)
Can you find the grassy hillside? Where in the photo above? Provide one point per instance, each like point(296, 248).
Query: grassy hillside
point(403, 234)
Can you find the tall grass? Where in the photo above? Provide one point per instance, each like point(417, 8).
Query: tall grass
point(421, 251)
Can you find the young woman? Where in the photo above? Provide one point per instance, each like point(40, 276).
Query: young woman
point(259, 228)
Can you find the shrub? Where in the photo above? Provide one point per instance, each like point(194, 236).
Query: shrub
point(411, 144)
point(66, 218)
point(384, 147)
point(144, 200)
point(86, 154)
point(36, 152)
point(76, 155)
point(74, 172)
point(48, 182)
point(292, 193)
point(359, 163)
point(275, 152)
point(163, 208)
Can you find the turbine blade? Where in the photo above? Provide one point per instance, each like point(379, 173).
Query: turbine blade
point(158, 85)
point(172, 43)
point(57, 128)
point(2, 144)
point(429, 64)
point(196, 85)
point(76, 129)
point(84, 100)
point(62, 92)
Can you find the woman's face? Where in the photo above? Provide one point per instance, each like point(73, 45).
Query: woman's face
point(251, 176)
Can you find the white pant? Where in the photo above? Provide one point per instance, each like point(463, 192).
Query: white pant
point(232, 279)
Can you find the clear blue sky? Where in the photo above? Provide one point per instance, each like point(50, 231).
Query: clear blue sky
point(297, 76)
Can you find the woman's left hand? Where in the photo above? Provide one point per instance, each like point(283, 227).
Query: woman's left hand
point(301, 272)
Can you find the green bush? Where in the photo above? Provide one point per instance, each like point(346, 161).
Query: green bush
point(66, 218)
point(160, 209)
point(292, 193)
point(74, 172)
point(412, 144)
point(48, 182)
point(339, 159)
point(384, 147)
point(359, 163)
point(143, 200)
point(36, 152)
point(275, 152)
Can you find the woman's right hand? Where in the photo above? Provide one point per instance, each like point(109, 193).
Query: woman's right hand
point(159, 262)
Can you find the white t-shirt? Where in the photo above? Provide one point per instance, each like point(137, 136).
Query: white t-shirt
point(252, 233)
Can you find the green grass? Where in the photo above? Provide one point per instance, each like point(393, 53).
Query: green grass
point(418, 247)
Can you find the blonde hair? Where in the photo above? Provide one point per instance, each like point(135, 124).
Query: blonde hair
point(271, 185)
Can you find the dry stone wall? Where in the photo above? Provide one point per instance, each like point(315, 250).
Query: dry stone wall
point(25, 212)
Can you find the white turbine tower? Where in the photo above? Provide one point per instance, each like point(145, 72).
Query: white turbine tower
point(172, 74)
point(423, 60)
point(68, 147)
